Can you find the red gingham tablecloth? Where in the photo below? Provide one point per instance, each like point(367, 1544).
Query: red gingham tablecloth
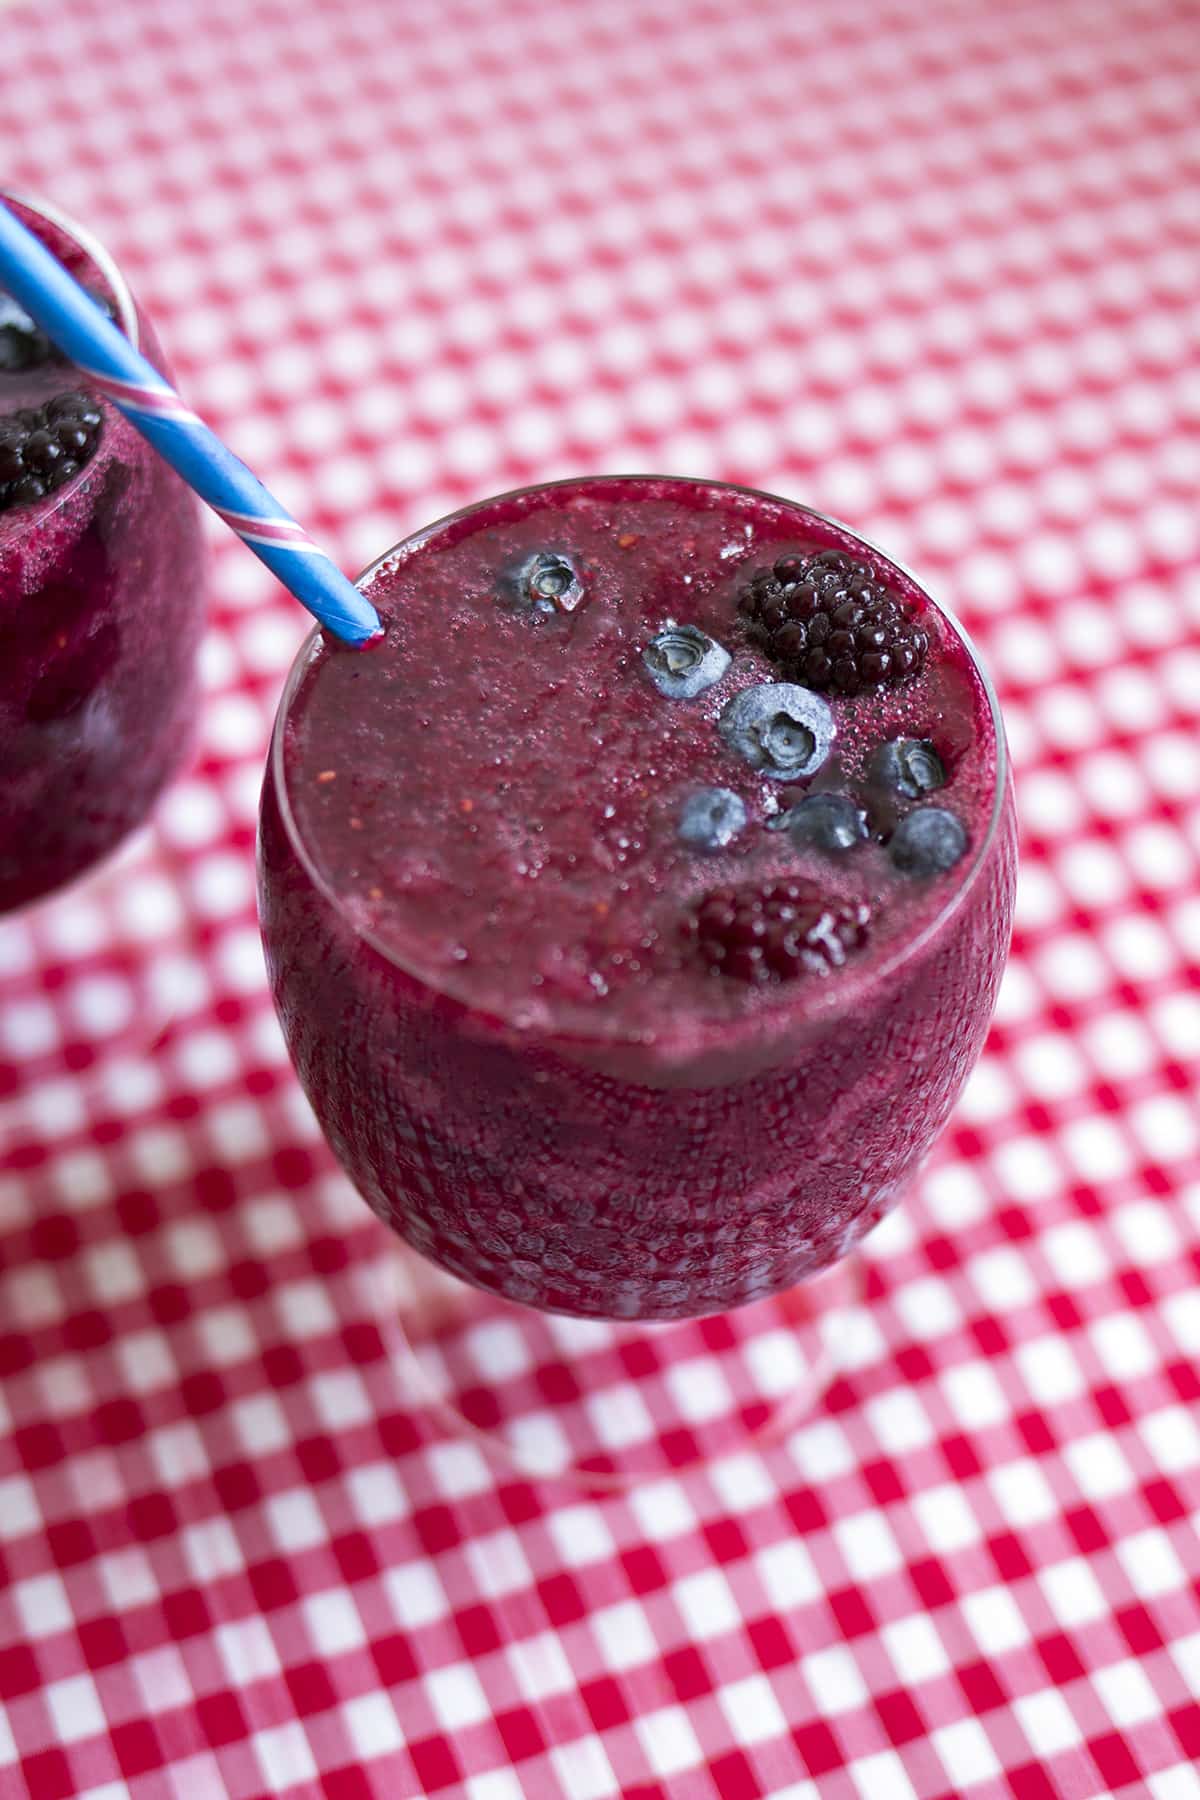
point(934, 266)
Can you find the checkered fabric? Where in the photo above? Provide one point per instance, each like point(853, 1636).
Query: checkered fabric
point(931, 265)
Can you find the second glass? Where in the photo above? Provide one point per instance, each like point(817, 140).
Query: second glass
point(632, 945)
point(102, 591)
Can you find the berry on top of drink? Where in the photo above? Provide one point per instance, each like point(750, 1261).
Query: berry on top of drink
point(711, 818)
point(828, 620)
point(831, 821)
point(546, 582)
point(775, 933)
point(782, 730)
point(907, 766)
point(928, 842)
point(682, 662)
point(48, 428)
point(41, 447)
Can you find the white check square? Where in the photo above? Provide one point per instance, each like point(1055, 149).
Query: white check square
point(916, 1649)
point(883, 1773)
point(584, 1770)
point(1072, 1592)
point(707, 1604)
point(946, 1519)
point(1047, 1722)
point(456, 1697)
point(284, 1756)
point(372, 1726)
point(43, 1605)
point(668, 1740)
point(995, 1621)
point(752, 1710)
point(333, 1622)
point(867, 1545)
point(662, 1510)
point(966, 1752)
point(624, 1635)
point(415, 1594)
point(581, 1535)
point(788, 1575)
point(539, 1665)
point(833, 1675)
point(1128, 1694)
point(74, 1705)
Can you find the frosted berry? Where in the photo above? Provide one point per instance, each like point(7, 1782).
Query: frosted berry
point(830, 822)
point(910, 767)
point(769, 934)
point(783, 731)
point(928, 842)
point(683, 661)
point(545, 582)
point(711, 818)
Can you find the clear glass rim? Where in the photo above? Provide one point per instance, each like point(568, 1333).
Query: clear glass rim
point(93, 249)
point(834, 998)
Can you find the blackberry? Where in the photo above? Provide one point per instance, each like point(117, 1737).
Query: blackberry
point(41, 447)
point(830, 623)
point(762, 935)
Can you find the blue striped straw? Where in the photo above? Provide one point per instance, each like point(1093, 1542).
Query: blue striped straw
point(109, 362)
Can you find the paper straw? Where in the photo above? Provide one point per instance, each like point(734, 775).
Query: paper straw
point(108, 362)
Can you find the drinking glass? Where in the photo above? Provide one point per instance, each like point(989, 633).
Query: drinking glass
point(102, 596)
point(614, 1263)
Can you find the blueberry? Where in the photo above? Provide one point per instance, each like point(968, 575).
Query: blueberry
point(928, 842)
point(827, 821)
point(545, 582)
point(682, 661)
point(783, 731)
point(908, 766)
point(711, 818)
